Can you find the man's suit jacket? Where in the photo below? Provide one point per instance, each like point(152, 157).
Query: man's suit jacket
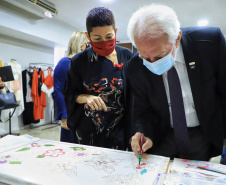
point(206, 47)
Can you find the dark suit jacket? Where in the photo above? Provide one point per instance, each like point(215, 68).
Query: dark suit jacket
point(206, 47)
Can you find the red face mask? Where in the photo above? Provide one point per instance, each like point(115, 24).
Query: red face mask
point(104, 48)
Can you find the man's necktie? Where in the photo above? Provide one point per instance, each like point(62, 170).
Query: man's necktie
point(178, 113)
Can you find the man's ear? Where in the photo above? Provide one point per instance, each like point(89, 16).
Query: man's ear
point(87, 35)
point(178, 38)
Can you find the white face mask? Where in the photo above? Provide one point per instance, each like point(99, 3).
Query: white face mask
point(160, 66)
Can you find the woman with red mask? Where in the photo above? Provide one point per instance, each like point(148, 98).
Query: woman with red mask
point(94, 92)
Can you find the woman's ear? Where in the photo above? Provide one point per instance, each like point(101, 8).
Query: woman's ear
point(87, 35)
point(116, 29)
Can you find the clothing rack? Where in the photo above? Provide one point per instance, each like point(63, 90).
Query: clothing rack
point(41, 64)
point(55, 123)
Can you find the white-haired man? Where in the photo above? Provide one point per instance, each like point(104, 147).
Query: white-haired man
point(178, 79)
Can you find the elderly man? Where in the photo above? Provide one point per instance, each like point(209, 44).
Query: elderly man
point(178, 78)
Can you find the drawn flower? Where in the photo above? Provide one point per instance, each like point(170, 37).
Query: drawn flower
point(54, 153)
point(81, 154)
point(102, 162)
point(4, 160)
point(35, 145)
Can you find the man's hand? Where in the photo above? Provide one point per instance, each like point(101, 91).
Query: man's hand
point(64, 124)
point(135, 144)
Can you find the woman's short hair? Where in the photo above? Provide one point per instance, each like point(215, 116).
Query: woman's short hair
point(154, 21)
point(99, 16)
point(77, 39)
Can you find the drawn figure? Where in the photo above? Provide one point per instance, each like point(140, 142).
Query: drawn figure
point(131, 179)
point(67, 168)
point(102, 162)
point(54, 153)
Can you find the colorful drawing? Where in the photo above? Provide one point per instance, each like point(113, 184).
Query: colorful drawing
point(78, 148)
point(81, 154)
point(149, 166)
point(143, 171)
point(54, 153)
point(56, 163)
point(8, 160)
point(103, 163)
point(192, 168)
point(35, 145)
point(67, 168)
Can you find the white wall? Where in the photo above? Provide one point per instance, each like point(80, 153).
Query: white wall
point(25, 53)
point(46, 29)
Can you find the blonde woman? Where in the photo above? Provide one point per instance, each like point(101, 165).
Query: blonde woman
point(77, 43)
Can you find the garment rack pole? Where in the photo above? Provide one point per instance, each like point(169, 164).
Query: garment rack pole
point(41, 64)
point(10, 127)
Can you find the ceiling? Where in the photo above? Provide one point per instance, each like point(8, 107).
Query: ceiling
point(20, 21)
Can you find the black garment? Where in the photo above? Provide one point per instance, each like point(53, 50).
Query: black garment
point(39, 82)
point(30, 78)
point(28, 116)
point(100, 78)
point(200, 146)
point(206, 46)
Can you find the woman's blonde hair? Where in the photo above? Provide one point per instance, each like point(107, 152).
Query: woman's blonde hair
point(78, 38)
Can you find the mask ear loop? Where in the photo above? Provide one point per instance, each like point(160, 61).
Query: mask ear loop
point(94, 56)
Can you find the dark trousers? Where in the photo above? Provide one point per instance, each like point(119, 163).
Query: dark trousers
point(67, 136)
point(200, 147)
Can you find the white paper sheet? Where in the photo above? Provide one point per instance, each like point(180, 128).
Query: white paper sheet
point(52, 163)
point(188, 168)
point(10, 141)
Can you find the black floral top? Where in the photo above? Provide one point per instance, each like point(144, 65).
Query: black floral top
point(103, 78)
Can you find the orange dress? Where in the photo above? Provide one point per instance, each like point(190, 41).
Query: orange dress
point(49, 79)
point(39, 101)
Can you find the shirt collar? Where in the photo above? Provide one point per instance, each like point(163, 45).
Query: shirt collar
point(179, 54)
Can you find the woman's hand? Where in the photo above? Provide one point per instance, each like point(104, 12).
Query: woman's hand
point(95, 102)
point(2, 84)
point(64, 123)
